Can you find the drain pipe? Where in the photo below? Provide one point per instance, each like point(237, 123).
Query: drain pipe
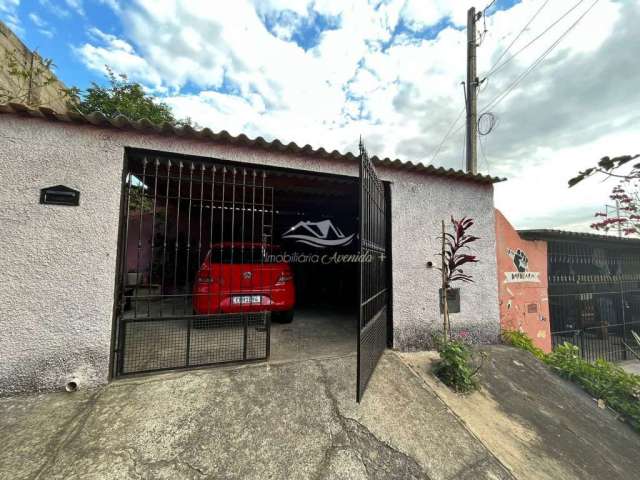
point(71, 386)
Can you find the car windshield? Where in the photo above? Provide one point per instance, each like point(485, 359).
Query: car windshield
point(239, 254)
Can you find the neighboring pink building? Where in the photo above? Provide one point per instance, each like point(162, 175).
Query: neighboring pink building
point(522, 284)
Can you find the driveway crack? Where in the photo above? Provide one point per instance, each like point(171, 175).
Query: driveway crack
point(380, 460)
point(69, 432)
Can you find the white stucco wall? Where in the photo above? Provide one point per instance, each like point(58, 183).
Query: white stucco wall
point(419, 204)
point(57, 264)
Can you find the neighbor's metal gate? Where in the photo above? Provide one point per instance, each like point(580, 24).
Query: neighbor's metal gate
point(594, 298)
point(372, 317)
point(175, 211)
point(597, 313)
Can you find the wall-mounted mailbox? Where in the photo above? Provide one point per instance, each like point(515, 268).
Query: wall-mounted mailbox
point(453, 300)
point(60, 195)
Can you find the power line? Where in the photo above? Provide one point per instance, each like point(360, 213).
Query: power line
point(496, 100)
point(444, 139)
point(484, 156)
point(488, 6)
point(515, 39)
point(499, 67)
point(484, 22)
point(464, 152)
point(486, 123)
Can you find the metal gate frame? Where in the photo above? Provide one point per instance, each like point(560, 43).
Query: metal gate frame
point(365, 168)
point(594, 297)
point(598, 317)
point(197, 169)
point(373, 311)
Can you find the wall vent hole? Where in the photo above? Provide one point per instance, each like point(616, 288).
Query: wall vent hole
point(71, 387)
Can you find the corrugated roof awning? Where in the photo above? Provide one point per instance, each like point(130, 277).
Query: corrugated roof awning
point(552, 234)
point(145, 126)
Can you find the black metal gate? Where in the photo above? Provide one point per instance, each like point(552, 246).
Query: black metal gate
point(594, 296)
point(372, 317)
point(196, 236)
point(597, 313)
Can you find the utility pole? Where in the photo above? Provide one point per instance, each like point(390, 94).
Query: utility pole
point(616, 208)
point(472, 91)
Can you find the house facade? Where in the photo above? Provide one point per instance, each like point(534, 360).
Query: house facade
point(80, 287)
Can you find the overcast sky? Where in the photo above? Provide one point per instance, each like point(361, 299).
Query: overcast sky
point(325, 71)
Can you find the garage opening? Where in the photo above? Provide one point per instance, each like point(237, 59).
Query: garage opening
point(221, 262)
point(316, 221)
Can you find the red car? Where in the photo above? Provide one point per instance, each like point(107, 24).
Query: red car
point(237, 277)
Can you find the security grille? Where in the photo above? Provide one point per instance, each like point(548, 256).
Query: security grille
point(594, 299)
point(194, 275)
point(372, 318)
point(596, 314)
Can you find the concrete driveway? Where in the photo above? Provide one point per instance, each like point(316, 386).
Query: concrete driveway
point(539, 425)
point(314, 333)
point(293, 420)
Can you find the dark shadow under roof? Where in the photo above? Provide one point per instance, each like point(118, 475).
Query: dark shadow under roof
point(145, 126)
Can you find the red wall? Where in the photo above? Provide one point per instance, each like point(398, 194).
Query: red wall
point(139, 261)
point(522, 284)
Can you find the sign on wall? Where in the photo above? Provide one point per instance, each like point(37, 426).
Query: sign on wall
point(453, 300)
point(521, 263)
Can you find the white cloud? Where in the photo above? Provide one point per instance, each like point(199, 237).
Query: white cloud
point(221, 112)
point(113, 4)
point(284, 31)
point(9, 5)
point(76, 5)
point(9, 14)
point(299, 7)
point(420, 14)
point(401, 92)
point(42, 26)
point(57, 9)
point(537, 188)
point(37, 21)
point(118, 55)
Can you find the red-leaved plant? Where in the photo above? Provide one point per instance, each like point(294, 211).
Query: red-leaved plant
point(626, 216)
point(454, 257)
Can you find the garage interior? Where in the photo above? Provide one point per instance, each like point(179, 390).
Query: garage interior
point(177, 209)
point(326, 289)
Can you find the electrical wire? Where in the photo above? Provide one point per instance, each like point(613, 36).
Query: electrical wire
point(444, 139)
point(486, 123)
point(485, 82)
point(482, 34)
point(499, 67)
point(484, 10)
point(515, 39)
point(484, 156)
point(464, 152)
point(497, 99)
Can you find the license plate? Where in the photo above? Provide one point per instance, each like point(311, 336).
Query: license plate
point(246, 299)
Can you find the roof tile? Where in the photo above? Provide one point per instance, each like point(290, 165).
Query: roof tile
point(551, 234)
point(121, 122)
